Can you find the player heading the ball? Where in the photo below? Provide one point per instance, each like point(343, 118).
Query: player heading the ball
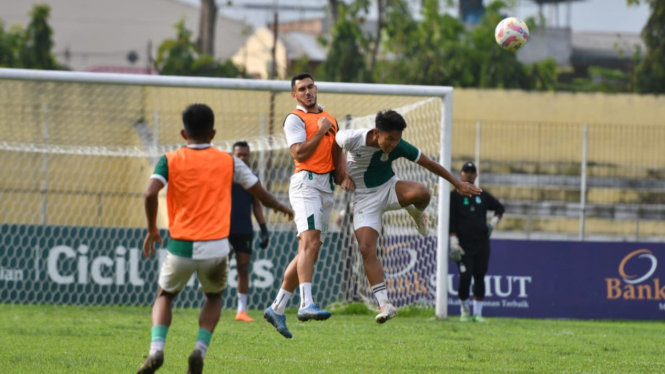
point(370, 155)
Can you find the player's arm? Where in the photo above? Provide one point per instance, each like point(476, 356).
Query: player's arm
point(269, 200)
point(494, 205)
point(464, 188)
point(341, 175)
point(304, 149)
point(261, 219)
point(151, 206)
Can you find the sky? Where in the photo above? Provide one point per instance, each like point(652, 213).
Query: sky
point(588, 15)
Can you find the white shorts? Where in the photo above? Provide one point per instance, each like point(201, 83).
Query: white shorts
point(369, 205)
point(176, 271)
point(311, 197)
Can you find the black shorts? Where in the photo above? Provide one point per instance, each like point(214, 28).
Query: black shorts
point(477, 263)
point(241, 243)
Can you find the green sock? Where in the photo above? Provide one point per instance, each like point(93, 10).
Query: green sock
point(203, 341)
point(158, 338)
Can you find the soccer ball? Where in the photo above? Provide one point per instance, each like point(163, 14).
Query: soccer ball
point(511, 34)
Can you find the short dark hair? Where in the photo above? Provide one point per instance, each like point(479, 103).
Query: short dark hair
point(199, 121)
point(390, 120)
point(299, 77)
point(240, 143)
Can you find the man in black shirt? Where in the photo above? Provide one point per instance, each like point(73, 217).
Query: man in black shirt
point(470, 241)
point(242, 232)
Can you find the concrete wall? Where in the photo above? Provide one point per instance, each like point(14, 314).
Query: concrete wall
point(592, 108)
point(255, 55)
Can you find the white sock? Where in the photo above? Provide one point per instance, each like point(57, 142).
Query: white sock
point(156, 346)
point(242, 302)
point(380, 293)
point(464, 306)
point(305, 295)
point(201, 346)
point(477, 307)
point(281, 300)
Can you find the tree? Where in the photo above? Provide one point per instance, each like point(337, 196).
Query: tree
point(382, 9)
point(334, 10)
point(495, 67)
point(207, 24)
point(650, 73)
point(180, 56)
point(346, 59)
point(600, 80)
point(10, 45)
point(29, 48)
point(432, 51)
point(439, 50)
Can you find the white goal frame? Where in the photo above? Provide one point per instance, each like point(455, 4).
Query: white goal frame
point(445, 93)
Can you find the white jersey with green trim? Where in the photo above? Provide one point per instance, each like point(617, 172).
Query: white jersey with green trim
point(368, 166)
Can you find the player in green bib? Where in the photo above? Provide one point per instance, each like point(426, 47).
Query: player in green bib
point(370, 154)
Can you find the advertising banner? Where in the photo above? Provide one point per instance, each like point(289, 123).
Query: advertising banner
point(542, 279)
point(534, 279)
point(106, 266)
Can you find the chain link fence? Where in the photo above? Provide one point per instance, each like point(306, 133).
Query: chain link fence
point(569, 181)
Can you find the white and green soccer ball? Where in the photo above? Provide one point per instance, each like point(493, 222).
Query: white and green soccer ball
point(511, 34)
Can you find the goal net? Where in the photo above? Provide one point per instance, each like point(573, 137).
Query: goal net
point(77, 150)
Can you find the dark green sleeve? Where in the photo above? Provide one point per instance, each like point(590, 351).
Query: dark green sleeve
point(162, 168)
point(407, 150)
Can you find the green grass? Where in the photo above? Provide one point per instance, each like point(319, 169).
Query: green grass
point(67, 339)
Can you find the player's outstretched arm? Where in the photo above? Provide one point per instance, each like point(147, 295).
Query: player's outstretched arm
point(151, 206)
point(269, 200)
point(464, 188)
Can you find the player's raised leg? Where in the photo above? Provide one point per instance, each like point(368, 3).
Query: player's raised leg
point(367, 239)
point(415, 197)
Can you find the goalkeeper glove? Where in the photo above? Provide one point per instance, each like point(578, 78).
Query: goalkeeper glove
point(491, 225)
point(265, 238)
point(456, 252)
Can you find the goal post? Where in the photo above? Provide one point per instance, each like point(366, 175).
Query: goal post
point(81, 145)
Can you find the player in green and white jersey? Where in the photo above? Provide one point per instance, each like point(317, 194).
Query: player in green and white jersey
point(370, 154)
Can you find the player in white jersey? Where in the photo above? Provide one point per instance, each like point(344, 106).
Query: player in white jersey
point(370, 154)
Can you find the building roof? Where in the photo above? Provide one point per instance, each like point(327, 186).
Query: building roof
point(299, 44)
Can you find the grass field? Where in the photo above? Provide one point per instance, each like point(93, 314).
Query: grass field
point(68, 339)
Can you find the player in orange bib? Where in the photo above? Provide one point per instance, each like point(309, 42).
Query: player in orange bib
point(200, 179)
point(310, 133)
